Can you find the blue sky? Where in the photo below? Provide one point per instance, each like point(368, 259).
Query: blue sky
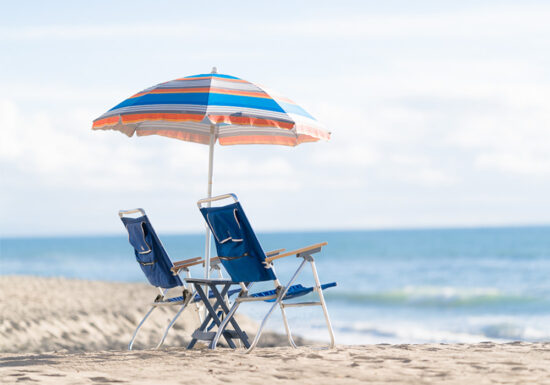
point(440, 113)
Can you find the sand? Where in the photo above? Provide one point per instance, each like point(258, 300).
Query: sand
point(488, 363)
point(63, 331)
point(70, 315)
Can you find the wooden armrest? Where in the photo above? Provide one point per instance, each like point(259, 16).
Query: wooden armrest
point(274, 252)
point(184, 264)
point(298, 251)
point(194, 261)
point(186, 261)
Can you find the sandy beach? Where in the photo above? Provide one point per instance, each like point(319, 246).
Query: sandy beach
point(487, 363)
point(70, 315)
point(55, 330)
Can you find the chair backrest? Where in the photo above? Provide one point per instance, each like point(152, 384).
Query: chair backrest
point(150, 253)
point(238, 248)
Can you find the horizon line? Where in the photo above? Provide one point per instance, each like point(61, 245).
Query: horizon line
point(335, 230)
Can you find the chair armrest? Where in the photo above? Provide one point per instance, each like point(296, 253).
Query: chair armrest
point(186, 261)
point(214, 281)
point(274, 252)
point(198, 261)
point(296, 252)
point(185, 264)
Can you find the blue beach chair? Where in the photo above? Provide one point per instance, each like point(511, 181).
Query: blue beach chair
point(159, 269)
point(246, 263)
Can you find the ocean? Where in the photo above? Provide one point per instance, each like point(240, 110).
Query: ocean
point(394, 286)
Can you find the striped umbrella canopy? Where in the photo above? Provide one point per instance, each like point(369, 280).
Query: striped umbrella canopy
point(213, 107)
point(189, 108)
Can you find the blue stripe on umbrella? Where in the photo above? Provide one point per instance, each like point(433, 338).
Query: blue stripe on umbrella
point(203, 98)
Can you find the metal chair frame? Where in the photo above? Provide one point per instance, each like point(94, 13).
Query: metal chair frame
point(281, 291)
point(187, 296)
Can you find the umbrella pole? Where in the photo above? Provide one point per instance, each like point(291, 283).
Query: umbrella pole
point(209, 192)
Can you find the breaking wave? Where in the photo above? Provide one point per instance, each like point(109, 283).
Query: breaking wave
point(428, 296)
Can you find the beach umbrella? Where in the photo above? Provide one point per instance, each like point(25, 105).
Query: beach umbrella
point(210, 108)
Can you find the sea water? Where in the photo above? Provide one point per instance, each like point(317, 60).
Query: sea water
point(394, 286)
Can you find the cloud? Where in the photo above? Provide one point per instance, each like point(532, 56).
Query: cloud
point(386, 140)
point(61, 170)
point(516, 141)
point(8, 122)
point(493, 115)
point(58, 91)
point(65, 152)
point(478, 22)
point(474, 23)
point(102, 31)
point(433, 114)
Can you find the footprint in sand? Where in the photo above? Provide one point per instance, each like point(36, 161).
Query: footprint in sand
point(403, 346)
point(26, 379)
point(511, 363)
point(485, 344)
point(105, 380)
point(403, 360)
point(313, 355)
point(366, 358)
point(281, 377)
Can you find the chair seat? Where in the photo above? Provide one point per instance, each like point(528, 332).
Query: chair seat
point(293, 292)
point(197, 298)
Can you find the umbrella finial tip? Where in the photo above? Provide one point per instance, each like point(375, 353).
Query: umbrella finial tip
point(214, 70)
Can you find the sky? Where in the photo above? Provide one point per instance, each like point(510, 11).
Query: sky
point(439, 113)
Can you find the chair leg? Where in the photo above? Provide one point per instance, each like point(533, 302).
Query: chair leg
point(139, 326)
point(182, 308)
point(287, 327)
point(323, 304)
point(277, 302)
point(260, 329)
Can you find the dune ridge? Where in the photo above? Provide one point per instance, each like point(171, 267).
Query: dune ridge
point(70, 315)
